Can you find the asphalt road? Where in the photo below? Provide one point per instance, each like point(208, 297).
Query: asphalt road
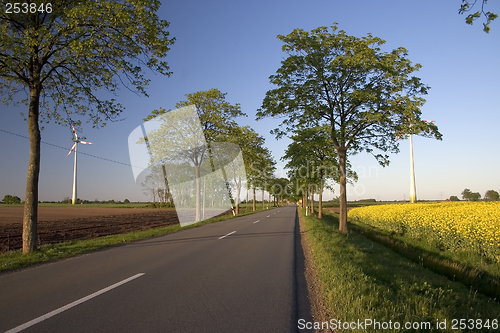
point(238, 275)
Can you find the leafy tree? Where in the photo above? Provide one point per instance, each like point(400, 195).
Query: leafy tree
point(467, 7)
point(260, 167)
point(252, 148)
point(475, 196)
point(310, 149)
point(491, 195)
point(466, 194)
point(215, 113)
point(216, 116)
point(279, 189)
point(364, 96)
point(155, 185)
point(454, 198)
point(470, 196)
point(263, 170)
point(63, 56)
point(126, 201)
point(9, 199)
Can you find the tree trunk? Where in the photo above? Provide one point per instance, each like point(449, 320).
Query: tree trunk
point(305, 197)
point(343, 194)
point(237, 199)
point(30, 215)
point(262, 199)
point(198, 190)
point(167, 190)
point(312, 199)
point(253, 198)
point(320, 202)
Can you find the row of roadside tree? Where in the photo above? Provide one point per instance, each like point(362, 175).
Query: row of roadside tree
point(339, 91)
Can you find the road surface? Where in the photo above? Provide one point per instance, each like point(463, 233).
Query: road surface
point(241, 275)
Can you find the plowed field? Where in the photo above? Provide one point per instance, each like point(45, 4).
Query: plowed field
point(58, 224)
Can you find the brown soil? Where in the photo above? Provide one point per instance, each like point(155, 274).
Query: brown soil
point(58, 224)
point(15, 214)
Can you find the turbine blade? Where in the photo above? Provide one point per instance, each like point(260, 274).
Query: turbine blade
point(71, 149)
point(74, 131)
point(399, 136)
point(87, 143)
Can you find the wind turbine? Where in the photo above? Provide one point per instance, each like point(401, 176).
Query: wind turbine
point(413, 189)
point(77, 141)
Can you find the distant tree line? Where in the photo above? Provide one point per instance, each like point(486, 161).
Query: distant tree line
point(10, 199)
point(468, 195)
point(80, 201)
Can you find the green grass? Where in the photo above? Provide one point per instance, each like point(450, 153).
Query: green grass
point(468, 259)
point(50, 252)
point(359, 203)
point(467, 267)
point(362, 279)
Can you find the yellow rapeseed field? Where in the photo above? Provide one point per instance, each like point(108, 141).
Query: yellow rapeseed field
point(454, 226)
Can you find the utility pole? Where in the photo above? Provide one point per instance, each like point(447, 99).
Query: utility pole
point(74, 196)
point(413, 190)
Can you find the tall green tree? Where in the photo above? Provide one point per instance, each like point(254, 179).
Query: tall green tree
point(491, 195)
point(297, 187)
point(11, 199)
point(310, 152)
point(255, 156)
point(280, 189)
point(63, 54)
point(253, 150)
point(363, 95)
point(466, 194)
point(470, 196)
point(216, 117)
point(261, 172)
point(468, 5)
point(216, 114)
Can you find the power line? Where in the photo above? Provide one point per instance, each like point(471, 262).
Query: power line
point(65, 148)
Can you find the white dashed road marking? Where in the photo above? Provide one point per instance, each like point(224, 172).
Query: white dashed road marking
point(227, 234)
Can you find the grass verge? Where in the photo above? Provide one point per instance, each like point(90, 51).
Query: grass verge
point(15, 259)
point(363, 280)
point(467, 268)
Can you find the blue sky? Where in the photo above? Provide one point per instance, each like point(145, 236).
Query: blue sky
point(232, 46)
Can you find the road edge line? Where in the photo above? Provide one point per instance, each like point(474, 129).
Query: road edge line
point(70, 305)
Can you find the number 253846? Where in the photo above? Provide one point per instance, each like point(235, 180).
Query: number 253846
point(25, 8)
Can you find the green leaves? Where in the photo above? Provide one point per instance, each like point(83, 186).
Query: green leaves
point(359, 95)
point(348, 84)
point(467, 6)
point(80, 48)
